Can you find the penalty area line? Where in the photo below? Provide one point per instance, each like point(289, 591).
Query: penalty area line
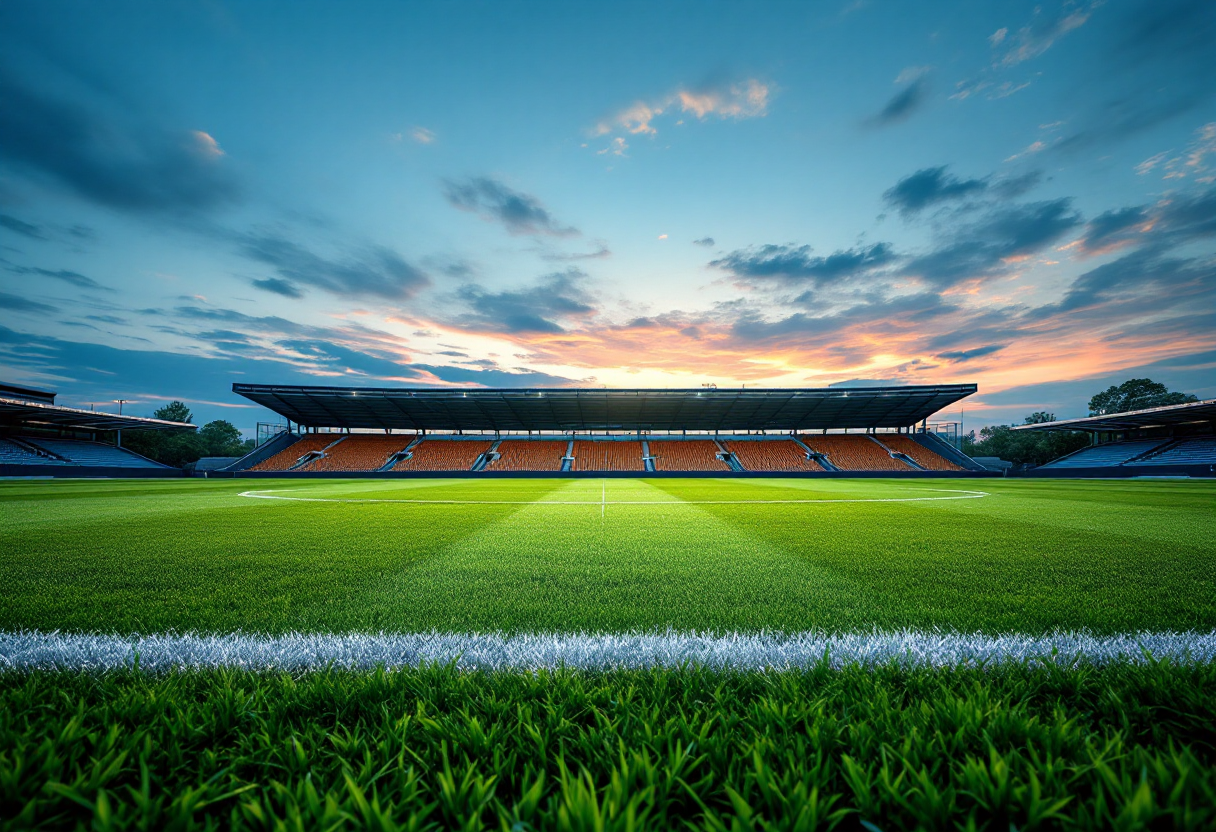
point(603, 502)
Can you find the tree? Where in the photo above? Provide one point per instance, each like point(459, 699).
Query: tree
point(1025, 447)
point(221, 438)
point(1135, 394)
point(1039, 417)
point(173, 412)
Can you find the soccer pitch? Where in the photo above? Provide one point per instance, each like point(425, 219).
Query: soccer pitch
point(1015, 737)
point(608, 556)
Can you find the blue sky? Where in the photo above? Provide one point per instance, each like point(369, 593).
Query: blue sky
point(515, 194)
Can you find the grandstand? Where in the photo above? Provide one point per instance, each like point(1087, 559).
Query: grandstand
point(860, 431)
point(443, 455)
point(41, 438)
point(1173, 440)
point(855, 453)
point(689, 455)
point(777, 455)
point(607, 456)
point(529, 455)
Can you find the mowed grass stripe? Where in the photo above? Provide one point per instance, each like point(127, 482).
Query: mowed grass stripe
point(567, 567)
point(1108, 557)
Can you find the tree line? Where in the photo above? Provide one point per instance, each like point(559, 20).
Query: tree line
point(1039, 447)
point(181, 447)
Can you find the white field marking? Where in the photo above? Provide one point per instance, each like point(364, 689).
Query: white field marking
point(301, 652)
point(269, 494)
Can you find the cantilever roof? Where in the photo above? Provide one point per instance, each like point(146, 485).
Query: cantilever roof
point(18, 412)
point(1190, 413)
point(569, 409)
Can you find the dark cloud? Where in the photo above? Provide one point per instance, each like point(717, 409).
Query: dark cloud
point(708, 242)
point(1113, 227)
point(538, 308)
point(279, 286)
point(1013, 187)
point(74, 278)
point(1170, 280)
point(796, 264)
point(519, 213)
point(962, 356)
point(132, 167)
point(902, 105)
point(930, 186)
point(983, 247)
point(920, 309)
point(374, 271)
point(601, 252)
point(21, 227)
point(15, 303)
point(1158, 65)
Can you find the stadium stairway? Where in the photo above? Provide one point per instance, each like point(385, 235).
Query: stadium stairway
point(313, 456)
point(900, 455)
point(822, 459)
point(404, 453)
point(647, 459)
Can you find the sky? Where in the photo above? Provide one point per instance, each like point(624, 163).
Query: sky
point(520, 194)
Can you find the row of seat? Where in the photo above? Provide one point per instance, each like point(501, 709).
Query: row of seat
point(1196, 450)
point(361, 452)
point(60, 452)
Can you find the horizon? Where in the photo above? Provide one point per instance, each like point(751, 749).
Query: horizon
point(858, 193)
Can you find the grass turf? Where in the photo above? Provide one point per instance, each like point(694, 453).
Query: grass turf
point(1035, 556)
point(1118, 747)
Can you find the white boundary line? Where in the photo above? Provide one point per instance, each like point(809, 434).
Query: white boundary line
point(269, 494)
point(301, 652)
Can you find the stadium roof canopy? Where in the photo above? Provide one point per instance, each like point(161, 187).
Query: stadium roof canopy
point(20, 412)
point(572, 409)
point(1192, 413)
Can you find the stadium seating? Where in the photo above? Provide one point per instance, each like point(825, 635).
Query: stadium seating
point(529, 455)
point(13, 453)
point(921, 455)
point(92, 453)
point(854, 453)
point(607, 456)
point(686, 455)
point(772, 455)
point(1107, 454)
point(1198, 450)
point(290, 455)
point(359, 452)
point(443, 455)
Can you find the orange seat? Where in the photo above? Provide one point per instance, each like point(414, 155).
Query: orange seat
point(359, 452)
point(443, 455)
point(922, 455)
point(854, 453)
point(772, 455)
point(529, 455)
point(607, 456)
point(290, 455)
point(686, 455)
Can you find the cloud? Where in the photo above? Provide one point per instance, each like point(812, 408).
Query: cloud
point(1041, 34)
point(961, 356)
point(1155, 66)
point(735, 101)
point(131, 167)
point(536, 309)
point(279, 286)
point(1143, 274)
point(20, 227)
point(16, 303)
point(930, 186)
point(1191, 163)
point(707, 242)
point(519, 213)
point(902, 105)
point(601, 252)
point(1111, 229)
point(74, 278)
point(422, 135)
point(987, 246)
point(1176, 220)
point(792, 264)
point(374, 271)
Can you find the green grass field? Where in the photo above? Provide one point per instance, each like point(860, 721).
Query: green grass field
point(608, 555)
point(1018, 745)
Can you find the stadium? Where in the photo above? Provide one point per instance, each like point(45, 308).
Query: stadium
point(574, 417)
